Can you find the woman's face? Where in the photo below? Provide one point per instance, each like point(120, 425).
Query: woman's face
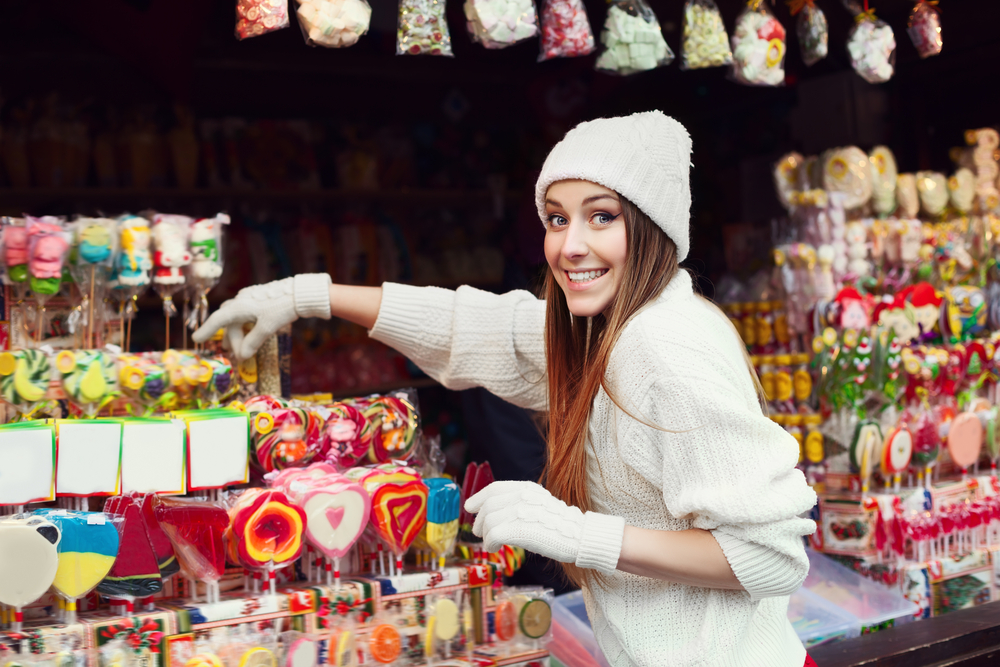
point(585, 244)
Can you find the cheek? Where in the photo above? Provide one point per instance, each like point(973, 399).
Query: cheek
point(616, 250)
point(552, 246)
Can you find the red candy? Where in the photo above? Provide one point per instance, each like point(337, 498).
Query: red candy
point(566, 30)
point(196, 530)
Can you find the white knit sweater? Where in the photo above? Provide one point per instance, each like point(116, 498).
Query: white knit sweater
point(722, 466)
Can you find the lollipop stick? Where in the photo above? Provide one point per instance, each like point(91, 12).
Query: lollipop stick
point(184, 329)
point(38, 327)
point(336, 572)
point(128, 336)
point(166, 345)
point(90, 316)
point(70, 617)
point(18, 619)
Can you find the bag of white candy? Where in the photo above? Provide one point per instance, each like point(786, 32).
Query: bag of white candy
point(705, 42)
point(422, 29)
point(496, 24)
point(333, 23)
point(758, 47)
point(871, 45)
point(633, 41)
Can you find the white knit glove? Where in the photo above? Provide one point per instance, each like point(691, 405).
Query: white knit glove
point(526, 515)
point(271, 306)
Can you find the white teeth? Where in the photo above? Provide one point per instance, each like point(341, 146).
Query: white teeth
point(584, 276)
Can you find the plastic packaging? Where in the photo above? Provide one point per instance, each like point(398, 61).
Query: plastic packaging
point(872, 48)
point(286, 438)
point(196, 530)
point(813, 32)
point(884, 175)
point(758, 47)
point(398, 504)
point(347, 435)
point(88, 378)
point(932, 187)
point(705, 42)
point(171, 254)
point(566, 31)
point(924, 28)
point(443, 497)
point(334, 23)
point(422, 29)
point(96, 241)
point(24, 378)
point(497, 24)
point(259, 17)
point(30, 559)
point(817, 621)
point(136, 571)
point(142, 380)
point(394, 427)
point(265, 530)
point(15, 251)
point(573, 641)
point(132, 269)
point(848, 171)
point(206, 264)
point(633, 41)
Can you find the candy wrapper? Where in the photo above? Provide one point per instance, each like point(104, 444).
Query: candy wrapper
point(566, 30)
point(136, 572)
point(848, 171)
point(132, 270)
point(170, 255)
point(347, 435)
point(932, 187)
point(334, 23)
point(497, 24)
point(633, 41)
point(398, 504)
point(884, 175)
point(265, 531)
point(96, 241)
point(258, 17)
point(924, 28)
point(394, 427)
point(143, 381)
point(872, 48)
point(195, 530)
point(758, 47)
point(24, 378)
point(286, 438)
point(422, 29)
point(206, 264)
point(222, 383)
point(15, 252)
point(705, 42)
point(812, 31)
point(441, 533)
point(88, 378)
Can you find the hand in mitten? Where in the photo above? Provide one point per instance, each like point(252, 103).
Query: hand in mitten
point(526, 515)
point(270, 306)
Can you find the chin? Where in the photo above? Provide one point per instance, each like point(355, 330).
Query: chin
point(586, 307)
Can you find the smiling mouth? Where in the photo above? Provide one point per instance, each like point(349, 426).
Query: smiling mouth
point(581, 277)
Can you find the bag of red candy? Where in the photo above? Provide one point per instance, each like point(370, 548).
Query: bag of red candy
point(259, 17)
point(566, 30)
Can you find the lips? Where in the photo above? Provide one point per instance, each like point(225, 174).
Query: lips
point(584, 276)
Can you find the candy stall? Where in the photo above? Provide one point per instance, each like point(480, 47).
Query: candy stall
point(172, 509)
point(874, 334)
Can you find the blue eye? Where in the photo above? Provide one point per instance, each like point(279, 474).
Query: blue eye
point(605, 218)
point(556, 221)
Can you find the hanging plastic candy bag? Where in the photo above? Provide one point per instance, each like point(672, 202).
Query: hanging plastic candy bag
point(88, 378)
point(758, 47)
point(222, 381)
point(566, 30)
point(872, 47)
point(924, 28)
point(812, 31)
point(333, 23)
point(705, 42)
point(497, 24)
point(633, 41)
point(422, 29)
point(206, 264)
point(259, 17)
point(24, 378)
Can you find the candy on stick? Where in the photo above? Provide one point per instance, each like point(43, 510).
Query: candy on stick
point(705, 42)
point(848, 171)
point(384, 644)
point(423, 29)
point(286, 437)
point(15, 251)
point(398, 504)
point(965, 440)
point(812, 30)
point(924, 28)
point(872, 47)
point(206, 264)
point(24, 378)
point(95, 245)
point(136, 572)
point(87, 552)
point(477, 477)
point(394, 428)
point(962, 190)
point(162, 546)
point(443, 500)
point(884, 177)
point(132, 269)
point(932, 187)
point(633, 41)
point(196, 531)
point(88, 378)
point(170, 254)
point(500, 23)
point(566, 30)
point(29, 560)
point(222, 383)
point(302, 652)
point(334, 23)
point(143, 380)
point(336, 514)
point(48, 246)
point(758, 47)
point(265, 531)
point(259, 17)
point(347, 435)
point(907, 196)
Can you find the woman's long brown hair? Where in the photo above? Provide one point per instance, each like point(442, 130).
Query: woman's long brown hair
point(577, 360)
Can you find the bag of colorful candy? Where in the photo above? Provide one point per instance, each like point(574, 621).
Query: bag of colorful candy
point(871, 45)
point(422, 29)
point(259, 17)
point(566, 30)
point(704, 42)
point(758, 47)
point(633, 41)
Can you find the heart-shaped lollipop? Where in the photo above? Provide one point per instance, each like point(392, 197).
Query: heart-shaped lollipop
point(965, 439)
point(399, 512)
point(336, 515)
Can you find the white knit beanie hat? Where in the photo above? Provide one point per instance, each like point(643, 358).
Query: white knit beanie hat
point(645, 157)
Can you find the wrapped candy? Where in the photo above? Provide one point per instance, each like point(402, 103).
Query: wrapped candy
point(497, 24)
point(347, 435)
point(884, 175)
point(136, 571)
point(195, 530)
point(633, 41)
point(962, 190)
point(872, 48)
point(286, 438)
point(789, 179)
point(422, 29)
point(398, 504)
point(566, 30)
point(142, 380)
point(132, 268)
point(259, 17)
point(15, 251)
point(705, 42)
point(394, 428)
point(847, 171)
point(48, 244)
point(88, 378)
point(206, 264)
point(812, 31)
point(24, 378)
point(443, 498)
point(96, 241)
point(758, 47)
point(334, 23)
point(29, 560)
point(221, 384)
point(933, 190)
point(924, 28)
point(265, 531)
point(170, 255)
point(907, 196)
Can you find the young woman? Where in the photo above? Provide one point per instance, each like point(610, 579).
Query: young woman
point(668, 495)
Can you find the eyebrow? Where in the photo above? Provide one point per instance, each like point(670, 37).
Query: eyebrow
point(588, 200)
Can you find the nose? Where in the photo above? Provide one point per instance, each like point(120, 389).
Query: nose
point(575, 241)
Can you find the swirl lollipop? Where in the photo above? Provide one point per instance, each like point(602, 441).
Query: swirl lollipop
point(286, 437)
point(394, 425)
point(347, 435)
point(399, 505)
point(24, 378)
point(265, 531)
point(88, 378)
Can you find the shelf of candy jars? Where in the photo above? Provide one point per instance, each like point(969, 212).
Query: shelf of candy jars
point(875, 336)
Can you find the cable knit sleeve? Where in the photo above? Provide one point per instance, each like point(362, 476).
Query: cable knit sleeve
point(469, 338)
point(721, 463)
